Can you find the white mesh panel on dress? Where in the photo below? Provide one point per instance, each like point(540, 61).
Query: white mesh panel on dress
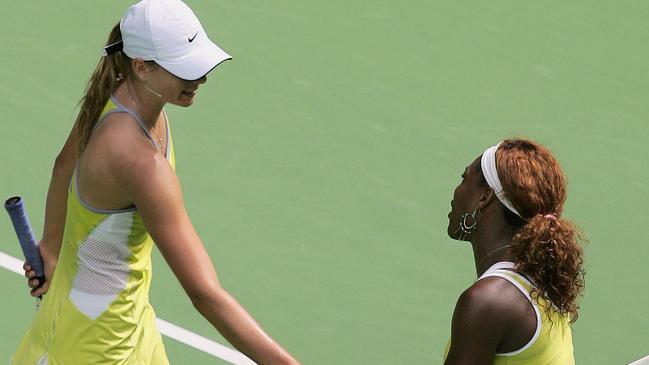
point(102, 265)
point(102, 268)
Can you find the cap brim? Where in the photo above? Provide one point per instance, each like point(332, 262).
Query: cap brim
point(199, 64)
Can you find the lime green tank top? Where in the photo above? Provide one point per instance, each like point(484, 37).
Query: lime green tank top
point(551, 343)
point(97, 309)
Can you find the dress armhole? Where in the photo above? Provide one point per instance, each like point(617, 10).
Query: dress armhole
point(508, 276)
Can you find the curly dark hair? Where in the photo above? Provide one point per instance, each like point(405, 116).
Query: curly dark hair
point(546, 247)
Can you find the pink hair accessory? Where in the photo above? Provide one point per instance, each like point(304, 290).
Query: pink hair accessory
point(551, 216)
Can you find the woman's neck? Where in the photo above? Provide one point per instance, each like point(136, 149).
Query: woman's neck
point(143, 102)
point(491, 243)
point(498, 254)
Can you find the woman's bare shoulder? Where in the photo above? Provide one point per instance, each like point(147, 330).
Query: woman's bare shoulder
point(123, 146)
point(488, 297)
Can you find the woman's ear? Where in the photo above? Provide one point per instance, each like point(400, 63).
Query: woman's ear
point(140, 68)
point(486, 198)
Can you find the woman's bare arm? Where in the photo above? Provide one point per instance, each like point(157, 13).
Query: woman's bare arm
point(55, 212)
point(154, 189)
point(477, 327)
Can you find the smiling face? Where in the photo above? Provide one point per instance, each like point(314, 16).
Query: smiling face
point(467, 196)
point(164, 85)
point(173, 89)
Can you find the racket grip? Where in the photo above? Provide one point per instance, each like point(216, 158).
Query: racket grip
point(18, 215)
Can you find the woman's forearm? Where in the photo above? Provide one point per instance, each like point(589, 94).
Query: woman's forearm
point(241, 330)
point(56, 206)
point(57, 196)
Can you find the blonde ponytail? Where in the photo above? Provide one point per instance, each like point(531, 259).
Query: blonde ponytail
point(108, 75)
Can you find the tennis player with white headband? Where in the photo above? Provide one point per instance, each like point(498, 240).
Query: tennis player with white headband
point(528, 260)
point(124, 197)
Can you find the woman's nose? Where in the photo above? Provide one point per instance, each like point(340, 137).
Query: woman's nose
point(202, 80)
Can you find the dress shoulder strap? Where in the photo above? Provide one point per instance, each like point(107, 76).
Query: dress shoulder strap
point(119, 108)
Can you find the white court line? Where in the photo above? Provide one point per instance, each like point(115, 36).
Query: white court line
point(11, 263)
point(201, 343)
point(166, 328)
point(643, 361)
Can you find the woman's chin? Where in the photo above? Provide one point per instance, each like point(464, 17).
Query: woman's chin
point(451, 232)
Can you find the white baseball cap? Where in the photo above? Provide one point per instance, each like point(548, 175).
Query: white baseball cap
point(168, 32)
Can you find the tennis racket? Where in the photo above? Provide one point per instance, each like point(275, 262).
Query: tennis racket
point(26, 237)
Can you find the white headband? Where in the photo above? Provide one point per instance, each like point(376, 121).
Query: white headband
point(488, 163)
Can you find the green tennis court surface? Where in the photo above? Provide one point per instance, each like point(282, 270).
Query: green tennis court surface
point(319, 164)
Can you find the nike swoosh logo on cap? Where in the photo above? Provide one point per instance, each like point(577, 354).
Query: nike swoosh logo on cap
point(192, 38)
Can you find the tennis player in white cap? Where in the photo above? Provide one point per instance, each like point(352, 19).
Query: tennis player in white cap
point(114, 193)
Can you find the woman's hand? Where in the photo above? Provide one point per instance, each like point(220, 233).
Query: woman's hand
point(49, 263)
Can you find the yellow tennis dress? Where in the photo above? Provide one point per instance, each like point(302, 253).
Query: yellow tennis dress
point(97, 309)
point(551, 343)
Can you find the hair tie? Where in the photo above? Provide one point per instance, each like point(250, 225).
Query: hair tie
point(112, 48)
point(551, 216)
